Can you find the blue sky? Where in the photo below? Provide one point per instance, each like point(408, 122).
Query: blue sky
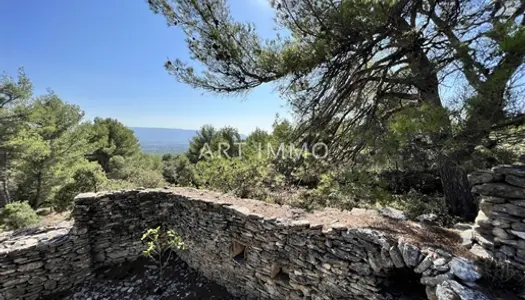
point(107, 56)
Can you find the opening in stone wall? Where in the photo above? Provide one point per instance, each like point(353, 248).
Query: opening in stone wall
point(238, 252)
point(280, 273)
point(404, 284)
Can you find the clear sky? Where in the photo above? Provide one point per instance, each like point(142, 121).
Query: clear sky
point(107, 56)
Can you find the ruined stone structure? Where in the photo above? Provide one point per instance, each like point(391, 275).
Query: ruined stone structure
point(256, 250)
point(39, 262)
point(500, 225)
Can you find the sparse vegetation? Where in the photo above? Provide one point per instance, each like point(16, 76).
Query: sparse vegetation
point(18, 215)
point(366, 85)
point(498, 274)
point(368, 78)
point(160, 246)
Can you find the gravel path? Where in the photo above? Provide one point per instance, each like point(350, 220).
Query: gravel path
point(140, 280)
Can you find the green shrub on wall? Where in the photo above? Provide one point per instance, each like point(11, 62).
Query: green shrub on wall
point(160, 245)
point(19, 215)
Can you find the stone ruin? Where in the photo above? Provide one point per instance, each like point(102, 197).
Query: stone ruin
point(258, 250)
point(500, 225)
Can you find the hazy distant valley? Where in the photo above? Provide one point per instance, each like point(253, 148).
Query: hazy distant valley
point(163, 140)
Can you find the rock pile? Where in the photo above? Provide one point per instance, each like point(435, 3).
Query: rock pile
point(141, 280)
point(500, 224)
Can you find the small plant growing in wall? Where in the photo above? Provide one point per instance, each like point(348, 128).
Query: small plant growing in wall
point(161, 245)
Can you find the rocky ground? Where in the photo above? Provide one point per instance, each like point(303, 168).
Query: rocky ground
point(141, 280)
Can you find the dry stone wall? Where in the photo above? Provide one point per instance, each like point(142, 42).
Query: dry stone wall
point(256, 250)
point(263, 251)
point(42, 261)
point(500, 224)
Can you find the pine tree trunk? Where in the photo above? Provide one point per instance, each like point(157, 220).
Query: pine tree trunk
point(4, 197)
point(456, 189)
point(38, 190)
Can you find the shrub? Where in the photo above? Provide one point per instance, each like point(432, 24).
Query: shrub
point(161, 245)
point(498, 274)
point(19, 215)
point(87, 178)
point(244, 177)
point(178, 170)
point(415, 204)
point(343, 190)
point(146, 179)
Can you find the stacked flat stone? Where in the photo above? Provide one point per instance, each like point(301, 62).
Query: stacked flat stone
point(319, 261)
point(249, 251)
point(42, 261)
point(500, 224)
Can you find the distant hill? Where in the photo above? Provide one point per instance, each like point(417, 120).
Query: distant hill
point(163, 140)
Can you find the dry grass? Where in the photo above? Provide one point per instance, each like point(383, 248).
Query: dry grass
point(421, 235)
point(499, 276)
point(55, 218)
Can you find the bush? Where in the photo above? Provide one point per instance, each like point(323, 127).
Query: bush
point(244, 177)
point(19, 215)
point(415, 204)
point(178, 170)
point(498, 274)
point(87, 178)
point(343, 190)
point(160, 246)
point(146, 179)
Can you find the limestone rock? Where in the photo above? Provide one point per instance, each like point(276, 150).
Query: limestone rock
point(427, 218)
point(518, 226)
point(446, 293)
point(396, 257)
point(519, 234)
point(510, 209)
point(464, 269)
point(480, 251)
point(515, 180)
point(411, 254)
point(466, 238)
point(510, 170)
point(461, 292)
point(495, 200)
point(392, 213)
point(501, 233)
point(480, 177)
point(424, 264)
point(462, 226)
point(499, 190)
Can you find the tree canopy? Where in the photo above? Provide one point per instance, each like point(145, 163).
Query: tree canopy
point(363, 71)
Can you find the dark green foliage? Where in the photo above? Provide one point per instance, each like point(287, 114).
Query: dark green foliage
point(211, 142)
point(203, 137)
point(140, 170)
point(47, 146)
point(178, 170)
point(498, 274)
point(368, 76)
point(88, 177)
point(244, 177)
point(18, 215)
point(14, 100)
point(112, 139)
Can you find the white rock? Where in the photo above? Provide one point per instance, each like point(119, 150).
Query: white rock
point(464, 269)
